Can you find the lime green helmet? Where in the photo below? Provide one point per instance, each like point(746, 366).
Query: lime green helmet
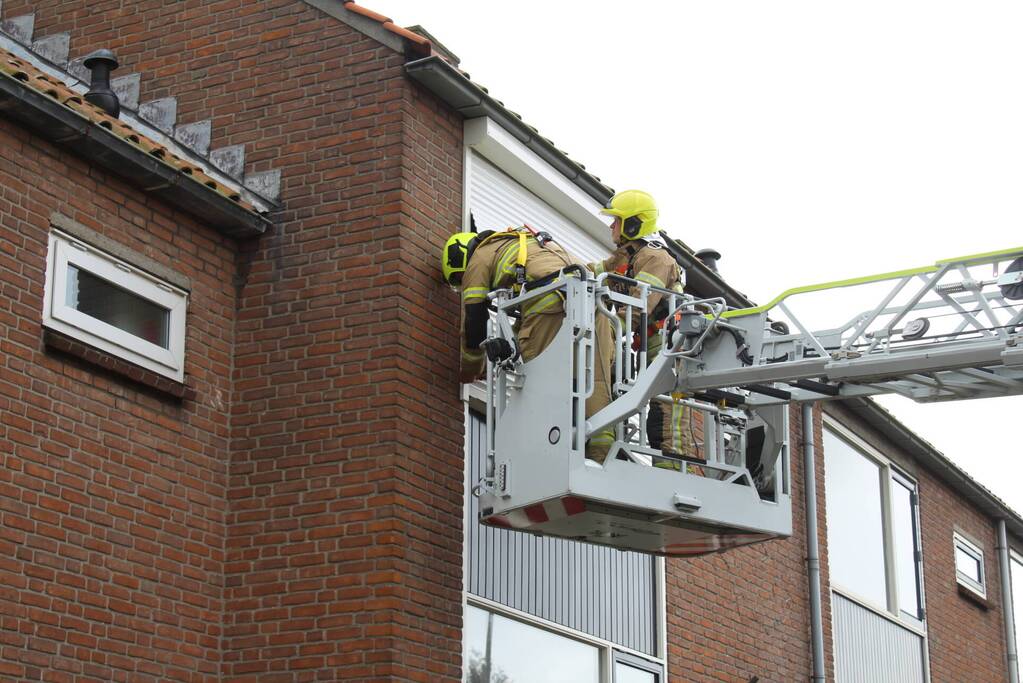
point(455, 256)
point(637, 210)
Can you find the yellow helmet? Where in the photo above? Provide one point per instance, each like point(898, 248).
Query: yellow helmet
point(637, 211)
point(455, 256)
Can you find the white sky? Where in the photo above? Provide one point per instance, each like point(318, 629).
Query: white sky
point(806, 141)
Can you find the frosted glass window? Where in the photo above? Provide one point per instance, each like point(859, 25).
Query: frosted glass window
point(855, 527)
point(904, 537)
point(116, 306)
point(503, 650)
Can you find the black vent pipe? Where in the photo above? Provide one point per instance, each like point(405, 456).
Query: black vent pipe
point(709, 257)
point(101, 63)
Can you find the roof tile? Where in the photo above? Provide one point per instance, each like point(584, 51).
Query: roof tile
point(366, 12)
point(17, 69)
point(418, 42)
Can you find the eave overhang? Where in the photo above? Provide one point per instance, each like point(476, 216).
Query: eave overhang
point(452, 87)
point(61, 125)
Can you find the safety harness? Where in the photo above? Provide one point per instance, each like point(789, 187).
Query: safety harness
point(524, 233)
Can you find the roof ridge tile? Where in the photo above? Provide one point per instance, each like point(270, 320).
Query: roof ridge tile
point(419, 43)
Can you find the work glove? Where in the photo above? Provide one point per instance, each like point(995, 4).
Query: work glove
point(499, 349)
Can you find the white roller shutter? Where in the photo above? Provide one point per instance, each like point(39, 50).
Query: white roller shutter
point(498, 202)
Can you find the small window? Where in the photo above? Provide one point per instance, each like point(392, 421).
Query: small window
point(114, 306)
point(969, 565)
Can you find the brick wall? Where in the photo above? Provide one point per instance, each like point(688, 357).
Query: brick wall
point(300, 518)
point(112, 495)
point(959, 627)
point(344, 549)
point(745, 613)
point(343, 503)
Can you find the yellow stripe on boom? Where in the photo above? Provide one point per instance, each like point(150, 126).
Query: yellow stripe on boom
point(987, 257)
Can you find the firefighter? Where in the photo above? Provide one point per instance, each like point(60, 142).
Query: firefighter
point(479, 263)
point(641, 256)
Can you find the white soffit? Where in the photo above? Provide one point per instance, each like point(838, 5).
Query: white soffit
point(488, 139)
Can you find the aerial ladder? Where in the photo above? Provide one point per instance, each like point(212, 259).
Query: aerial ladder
point(943, 332)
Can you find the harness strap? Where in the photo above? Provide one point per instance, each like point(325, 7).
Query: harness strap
point(524, 233)
point(520, 263)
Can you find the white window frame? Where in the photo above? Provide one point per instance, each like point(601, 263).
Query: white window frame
point(960, 542)
point(892, 609)
point(65, 251)
point(609, 652)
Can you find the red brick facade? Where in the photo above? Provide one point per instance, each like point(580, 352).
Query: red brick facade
point(966, 640)
point(746, 612)
point(300, 519)
point(113, 496)
point(297, 515)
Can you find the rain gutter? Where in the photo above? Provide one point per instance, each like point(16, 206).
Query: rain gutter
point(1011, 655)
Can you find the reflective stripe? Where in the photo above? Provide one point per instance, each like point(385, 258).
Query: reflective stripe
point(603, 438)
point(650, 279)
point(504, 262)
point(653, 346)
point(542, 304)
point(598, 268)
point(678, 411)
point(474, 293)
point(472, 355)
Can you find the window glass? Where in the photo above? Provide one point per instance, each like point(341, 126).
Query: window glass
point(967, 564)
point(904, 537)
point(115, 306)
point(969, 560)
point(855, 531)
point(502, 650)
point(627, 674)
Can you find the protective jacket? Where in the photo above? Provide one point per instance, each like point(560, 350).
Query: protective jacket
point(495, 264)
point(649, 262)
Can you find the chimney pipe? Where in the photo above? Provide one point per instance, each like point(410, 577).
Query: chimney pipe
point(101, 63)
point(709, 257)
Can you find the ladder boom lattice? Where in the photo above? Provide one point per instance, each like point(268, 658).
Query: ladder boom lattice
point(951, 331)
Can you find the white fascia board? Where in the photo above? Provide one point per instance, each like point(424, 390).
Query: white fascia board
point(485, 137)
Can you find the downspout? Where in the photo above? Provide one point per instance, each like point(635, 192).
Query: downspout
point(813, 557)
point(1007, 608)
